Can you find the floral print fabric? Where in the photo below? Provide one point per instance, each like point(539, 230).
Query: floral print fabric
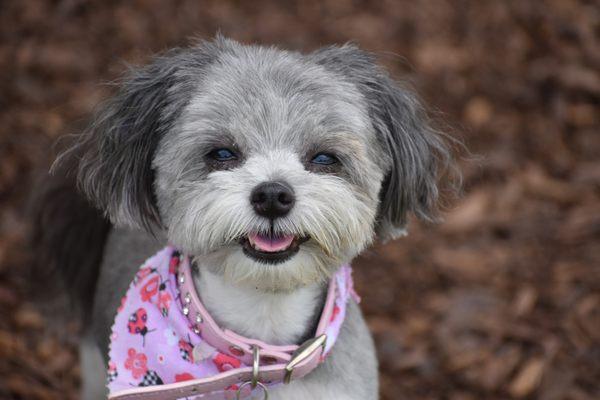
point(152, 342)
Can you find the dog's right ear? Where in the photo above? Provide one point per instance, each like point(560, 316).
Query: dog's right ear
point(416, 152)
point(115, 153)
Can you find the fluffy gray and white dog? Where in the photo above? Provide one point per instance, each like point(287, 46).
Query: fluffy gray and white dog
point(220, 148)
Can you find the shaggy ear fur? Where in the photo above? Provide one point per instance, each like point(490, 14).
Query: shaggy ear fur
point(115, 168)
point(414, 150)
point(67, 238)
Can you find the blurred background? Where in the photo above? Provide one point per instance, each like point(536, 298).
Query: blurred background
point(501, 301)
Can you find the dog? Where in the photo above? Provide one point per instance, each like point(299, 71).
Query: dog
point(268, 168)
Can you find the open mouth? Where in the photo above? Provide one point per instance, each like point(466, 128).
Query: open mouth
point(271, 249)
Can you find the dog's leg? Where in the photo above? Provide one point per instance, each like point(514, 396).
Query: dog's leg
point(93, 373)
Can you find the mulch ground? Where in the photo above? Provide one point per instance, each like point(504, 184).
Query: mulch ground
point(502, 300)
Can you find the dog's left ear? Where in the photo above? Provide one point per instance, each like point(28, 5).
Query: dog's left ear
point(415, 151)
point(114, 155)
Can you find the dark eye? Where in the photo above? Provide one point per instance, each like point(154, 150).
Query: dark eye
point(223, 155)
point(324, 159)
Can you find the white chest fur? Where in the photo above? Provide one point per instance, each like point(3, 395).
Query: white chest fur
point(275, 318)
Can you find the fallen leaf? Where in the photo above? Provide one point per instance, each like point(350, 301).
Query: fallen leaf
point(528, 378)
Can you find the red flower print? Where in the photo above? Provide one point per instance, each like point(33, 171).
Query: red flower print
point(136, 362)
point(184, 377)
point(174, 263)
point(123, 300)
point(336, 311)
point(112, 372)
point(186, 350)
point(150, 288)
point(164, 302)
point(141, 274)
point(225, 362)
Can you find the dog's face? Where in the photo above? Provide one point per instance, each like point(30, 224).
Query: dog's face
point(271, 167)
point(272, 172)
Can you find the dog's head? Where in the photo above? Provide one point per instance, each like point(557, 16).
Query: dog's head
point(273, 167)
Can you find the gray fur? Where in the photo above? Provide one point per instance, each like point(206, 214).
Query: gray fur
point(349, 373)
point(417, 152)
point(115, 171)
point(277, 109)
point(144, 162)
point(93, 385)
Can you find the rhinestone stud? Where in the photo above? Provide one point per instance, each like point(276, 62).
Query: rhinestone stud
point(181, 279)
point(188, 298)
point(198, 319)
point(186, 310)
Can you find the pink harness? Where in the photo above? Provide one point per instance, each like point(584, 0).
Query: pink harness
point(165, 345)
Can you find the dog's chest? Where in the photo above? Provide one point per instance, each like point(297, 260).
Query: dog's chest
point(275, 318)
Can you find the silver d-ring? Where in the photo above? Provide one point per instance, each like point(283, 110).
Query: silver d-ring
point(255, 365)
point(259, 384)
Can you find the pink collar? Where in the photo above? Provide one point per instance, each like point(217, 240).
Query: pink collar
point(165, 344)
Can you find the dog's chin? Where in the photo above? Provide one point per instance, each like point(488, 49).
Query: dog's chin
point(301, 264)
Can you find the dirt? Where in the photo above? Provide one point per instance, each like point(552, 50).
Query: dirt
point(500, 300)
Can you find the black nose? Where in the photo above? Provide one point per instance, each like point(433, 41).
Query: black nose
point(272, 199)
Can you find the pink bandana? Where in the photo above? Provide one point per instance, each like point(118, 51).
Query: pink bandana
point(165, 345)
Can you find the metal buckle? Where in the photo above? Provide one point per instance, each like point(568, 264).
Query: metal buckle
point(255, 365)
point(259, 384)
point(302, 353)
point(254, 381)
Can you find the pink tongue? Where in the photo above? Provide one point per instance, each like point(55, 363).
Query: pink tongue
point(269, 244)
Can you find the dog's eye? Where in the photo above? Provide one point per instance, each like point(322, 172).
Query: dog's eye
point(324, 159)
point(222, 155)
